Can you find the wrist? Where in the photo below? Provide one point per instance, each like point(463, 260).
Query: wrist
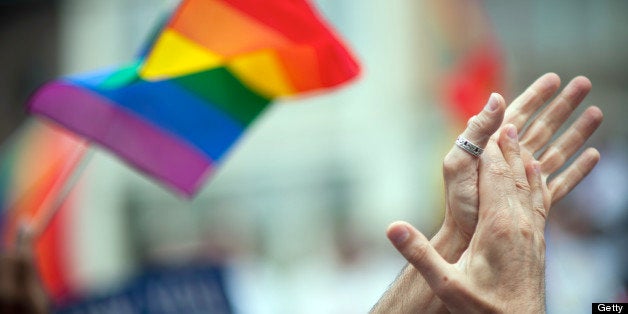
point(409, 293)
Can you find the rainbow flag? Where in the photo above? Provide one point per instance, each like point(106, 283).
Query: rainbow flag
point(213, 68)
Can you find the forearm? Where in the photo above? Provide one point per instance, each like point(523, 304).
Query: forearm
point(410, 293)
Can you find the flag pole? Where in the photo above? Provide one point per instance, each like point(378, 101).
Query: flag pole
point(42, 219)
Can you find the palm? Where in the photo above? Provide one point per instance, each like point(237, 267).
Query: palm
point(462, 186)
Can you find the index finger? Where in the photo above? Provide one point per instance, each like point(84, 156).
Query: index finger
point(496, 181)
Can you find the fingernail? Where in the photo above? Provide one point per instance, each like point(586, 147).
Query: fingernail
point(399, 235)
point(511, 131)
point(492, 103)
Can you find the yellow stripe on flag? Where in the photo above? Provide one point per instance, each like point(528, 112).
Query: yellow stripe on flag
point(262, 72)
point(174, 55)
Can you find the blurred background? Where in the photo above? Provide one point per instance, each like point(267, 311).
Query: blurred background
point(294, 220)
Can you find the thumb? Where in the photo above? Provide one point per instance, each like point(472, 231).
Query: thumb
point(481, 126)
point(418, 251)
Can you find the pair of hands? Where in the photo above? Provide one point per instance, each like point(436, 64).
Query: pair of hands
point(489, 255)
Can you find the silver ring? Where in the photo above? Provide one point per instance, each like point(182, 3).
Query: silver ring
point(469, 147)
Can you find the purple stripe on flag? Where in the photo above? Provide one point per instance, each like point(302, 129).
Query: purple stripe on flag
point(140, 143)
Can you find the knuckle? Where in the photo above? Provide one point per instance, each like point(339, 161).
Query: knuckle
point(526, 229)
point(540, 211)
point(502, 231)
point(500, 170)
point(477, 124)
point(534, 95)
point(523, 185)
point(452, 165)
point(501, 226)
point(448, 163)
point(559, 190)
point(554, 157)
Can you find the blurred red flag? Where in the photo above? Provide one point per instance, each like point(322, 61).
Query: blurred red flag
point(476, 75)
point(471, 63)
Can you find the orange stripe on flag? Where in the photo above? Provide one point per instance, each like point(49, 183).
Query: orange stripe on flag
point(223, 29)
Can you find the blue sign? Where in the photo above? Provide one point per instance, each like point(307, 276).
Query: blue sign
point(189, 290)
